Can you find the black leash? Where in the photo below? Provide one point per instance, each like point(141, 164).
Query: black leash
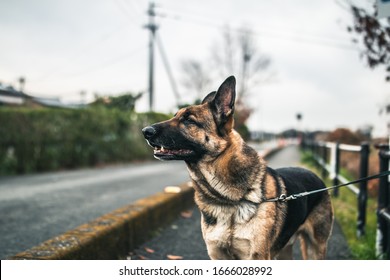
point(285, 198)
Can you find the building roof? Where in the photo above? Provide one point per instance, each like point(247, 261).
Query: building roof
point(10, 96)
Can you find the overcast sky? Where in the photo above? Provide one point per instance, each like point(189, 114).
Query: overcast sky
point(64, 47)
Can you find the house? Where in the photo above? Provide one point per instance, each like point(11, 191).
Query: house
point(11, 97)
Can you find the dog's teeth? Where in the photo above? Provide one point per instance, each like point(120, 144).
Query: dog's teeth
point(162, 149)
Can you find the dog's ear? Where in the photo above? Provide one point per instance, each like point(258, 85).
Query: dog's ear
point(209, 98)
point(224, 101)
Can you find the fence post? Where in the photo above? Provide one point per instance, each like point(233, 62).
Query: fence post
point(362, 196)
point(315, 153)
point(336, 169)
point(382, 232)
point(313, 147)
point(325, 159)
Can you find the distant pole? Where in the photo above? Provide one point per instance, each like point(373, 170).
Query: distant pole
point(299, 126)
point(22, 83)
point(83, 93)
point(152, 28)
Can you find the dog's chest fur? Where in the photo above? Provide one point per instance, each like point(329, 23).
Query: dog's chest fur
point(231, 210)
point(232, 231)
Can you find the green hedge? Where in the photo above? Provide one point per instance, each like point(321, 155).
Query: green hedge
point(36, 140)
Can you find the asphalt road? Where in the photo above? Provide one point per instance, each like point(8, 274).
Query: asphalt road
point(35, 208)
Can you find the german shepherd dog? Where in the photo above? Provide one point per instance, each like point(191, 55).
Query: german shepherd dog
point(232, 183)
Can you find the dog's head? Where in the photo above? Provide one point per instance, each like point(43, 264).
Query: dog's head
point(197, 131)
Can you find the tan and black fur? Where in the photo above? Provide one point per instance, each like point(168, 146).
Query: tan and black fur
point(232, 182)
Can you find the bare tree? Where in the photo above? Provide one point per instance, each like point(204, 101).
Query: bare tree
point(234, 53)
point(238, 53)
point(195, 78)
point(254, 64)
point(222, 54)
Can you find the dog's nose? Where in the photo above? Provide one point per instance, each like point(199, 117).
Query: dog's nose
point(148, 132)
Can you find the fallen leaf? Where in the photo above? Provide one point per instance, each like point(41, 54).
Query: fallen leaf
point(172, 189)
point(186, 214)
point(173, 257)
point(142, 257)
point(151, 251)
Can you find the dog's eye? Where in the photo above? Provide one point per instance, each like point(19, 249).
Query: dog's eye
point(188, 120)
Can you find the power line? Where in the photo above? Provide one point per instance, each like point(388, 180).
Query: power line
point(136, 6)
point(125, 11)
point(300, 38)
point(179, 14)
point(110, 62)
point(101, 66)
point(75, 55)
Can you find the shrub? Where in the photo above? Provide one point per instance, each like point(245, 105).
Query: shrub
point(34, 140)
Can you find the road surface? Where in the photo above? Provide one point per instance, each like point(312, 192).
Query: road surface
point(35, 208)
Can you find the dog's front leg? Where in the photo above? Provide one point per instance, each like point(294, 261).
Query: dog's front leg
point(261, 256)
point(262, 251)
point(218, 252)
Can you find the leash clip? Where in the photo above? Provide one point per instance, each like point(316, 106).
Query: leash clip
point(284, 197)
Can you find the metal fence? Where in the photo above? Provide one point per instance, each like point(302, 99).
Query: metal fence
point(383, 210)
point(327, 156)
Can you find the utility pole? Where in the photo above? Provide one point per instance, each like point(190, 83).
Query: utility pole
point(22, 83)
point(152, 28)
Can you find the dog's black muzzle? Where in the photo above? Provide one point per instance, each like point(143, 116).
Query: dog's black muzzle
point(149, 132)
point(170, 144)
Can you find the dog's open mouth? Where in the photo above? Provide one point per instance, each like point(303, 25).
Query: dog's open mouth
point(168, 153)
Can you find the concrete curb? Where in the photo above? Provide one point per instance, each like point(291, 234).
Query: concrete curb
point(115, 234)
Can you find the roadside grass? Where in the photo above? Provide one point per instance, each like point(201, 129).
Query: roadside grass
point(345, 211)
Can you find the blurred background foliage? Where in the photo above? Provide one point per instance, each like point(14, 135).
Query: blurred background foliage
point(44, 139)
